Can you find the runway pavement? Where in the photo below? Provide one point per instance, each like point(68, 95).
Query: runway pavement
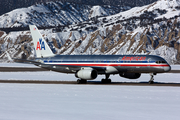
point(91, 83)
point(23, 69)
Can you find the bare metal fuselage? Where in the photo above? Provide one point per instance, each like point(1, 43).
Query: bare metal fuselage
point(106, 64)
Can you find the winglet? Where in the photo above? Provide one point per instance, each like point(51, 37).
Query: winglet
point(41, 47)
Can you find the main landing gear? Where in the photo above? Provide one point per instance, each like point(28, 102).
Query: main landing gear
point(81, 81)
point(106, 80)
point(151, 81)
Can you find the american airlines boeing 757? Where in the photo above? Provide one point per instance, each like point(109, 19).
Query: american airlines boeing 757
point(88, 67)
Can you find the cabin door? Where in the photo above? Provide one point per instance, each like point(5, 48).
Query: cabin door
point(149, 62)
point(119, 61)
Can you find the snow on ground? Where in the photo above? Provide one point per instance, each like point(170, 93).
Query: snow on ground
point(175, 67)
point(16, 65)
point(55, 76)
point(88, 102)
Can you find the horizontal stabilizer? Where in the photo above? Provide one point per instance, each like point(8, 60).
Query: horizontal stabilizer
point(26, 61)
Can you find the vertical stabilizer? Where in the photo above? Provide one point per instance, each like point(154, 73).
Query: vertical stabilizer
point(41, 47)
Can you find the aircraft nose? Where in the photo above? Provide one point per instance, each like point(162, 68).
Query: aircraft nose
point(167, 68)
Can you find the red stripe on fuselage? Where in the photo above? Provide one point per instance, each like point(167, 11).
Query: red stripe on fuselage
point(129, 65)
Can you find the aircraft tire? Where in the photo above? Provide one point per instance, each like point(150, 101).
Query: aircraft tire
point(106, 80)
point(79, 81)
point(151, 82)
point(84, 81)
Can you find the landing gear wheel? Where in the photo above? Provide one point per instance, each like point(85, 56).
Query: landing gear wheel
point(84, 81)
point(106, 80)
point(79, 81)
point(151, 82)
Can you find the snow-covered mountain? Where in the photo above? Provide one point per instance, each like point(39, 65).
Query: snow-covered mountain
point(150, 29)
point(97, 11)
point(54, 14)
point(9, 5)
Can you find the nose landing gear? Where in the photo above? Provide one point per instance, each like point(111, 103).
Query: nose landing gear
point(151, 81)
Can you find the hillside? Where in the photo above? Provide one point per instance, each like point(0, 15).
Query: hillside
point(151, 29)
point(55, 14)
point(9, 5)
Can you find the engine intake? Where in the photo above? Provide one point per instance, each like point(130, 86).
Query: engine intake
point(87, 74)
point(130, 75)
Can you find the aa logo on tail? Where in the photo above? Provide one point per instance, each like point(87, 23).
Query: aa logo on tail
point(40, 45)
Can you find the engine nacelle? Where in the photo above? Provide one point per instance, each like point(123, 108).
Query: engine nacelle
point(87, 74)
point(130, 75)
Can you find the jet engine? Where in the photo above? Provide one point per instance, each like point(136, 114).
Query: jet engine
point(86, 74)
point(130, 75)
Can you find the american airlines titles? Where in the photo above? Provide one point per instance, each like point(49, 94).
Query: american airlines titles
point(134, 58)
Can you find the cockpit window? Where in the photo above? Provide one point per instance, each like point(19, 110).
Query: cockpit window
point(159, 62)
point(163, 61)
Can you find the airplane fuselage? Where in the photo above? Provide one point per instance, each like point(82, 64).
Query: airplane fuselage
point(106, 64)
